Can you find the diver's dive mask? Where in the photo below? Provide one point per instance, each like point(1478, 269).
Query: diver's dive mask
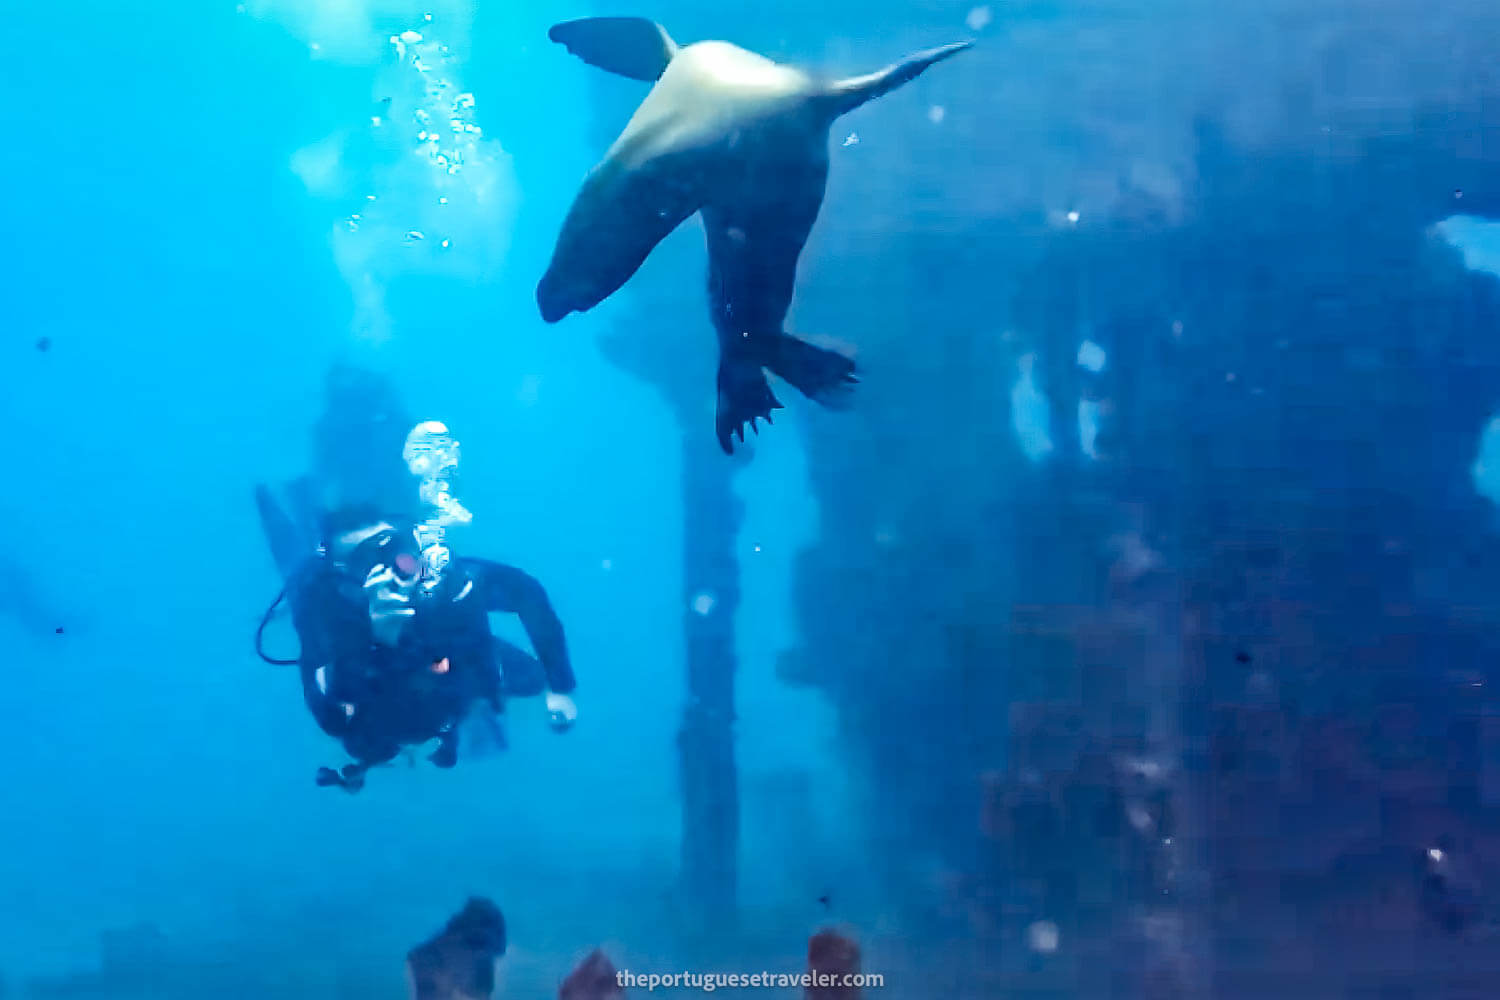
point(383, 548)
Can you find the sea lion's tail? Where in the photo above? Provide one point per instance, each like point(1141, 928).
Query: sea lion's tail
point(846, 95)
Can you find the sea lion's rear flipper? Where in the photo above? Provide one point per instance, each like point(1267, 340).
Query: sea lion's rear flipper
point(630, 46)
point(822, 375)
point(846, 95)
point(744, 397)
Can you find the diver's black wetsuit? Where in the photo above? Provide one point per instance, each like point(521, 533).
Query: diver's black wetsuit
point(405, 694)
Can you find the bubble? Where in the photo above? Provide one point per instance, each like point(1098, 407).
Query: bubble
point(1177, 328)
point(851, 139)
point(703, 603)
point(936, 114)
point(444, 244)
point(1091, 357)
point(411, 37)
point(979, 18)
point(607, 565)
point(1043, 936)
point(1073, 217)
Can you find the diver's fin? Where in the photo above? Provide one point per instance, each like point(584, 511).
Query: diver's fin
point(846, 95)
point(483, 734)
point(744, 397)
point(630, 46)
point(282, 537)
point(821, 375)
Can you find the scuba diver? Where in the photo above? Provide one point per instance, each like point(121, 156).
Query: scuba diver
point(397, 652)
point(396, 648)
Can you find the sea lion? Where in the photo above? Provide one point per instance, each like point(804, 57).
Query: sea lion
point(743, 140)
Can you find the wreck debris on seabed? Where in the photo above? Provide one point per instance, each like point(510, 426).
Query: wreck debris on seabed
point(833, 954)
point(133, 961)
point(458, 963)
point(594, 979)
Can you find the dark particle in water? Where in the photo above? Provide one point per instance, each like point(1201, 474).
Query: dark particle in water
point(1242, 657)
point(58, 630)
point(827, 903)
point(44, 344)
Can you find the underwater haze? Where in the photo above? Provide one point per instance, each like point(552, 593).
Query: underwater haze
point(1131, 633)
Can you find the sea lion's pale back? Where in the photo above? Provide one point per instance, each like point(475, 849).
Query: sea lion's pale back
point(708, 90)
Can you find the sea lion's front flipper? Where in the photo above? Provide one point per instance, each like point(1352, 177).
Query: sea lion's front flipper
point(619, 216)
point(630, 46)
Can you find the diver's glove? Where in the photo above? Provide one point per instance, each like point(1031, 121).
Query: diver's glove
point(561, 712)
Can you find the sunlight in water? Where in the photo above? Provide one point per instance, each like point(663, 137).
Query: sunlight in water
point(1029, 412)
point(1479, 242)
point(425, 189)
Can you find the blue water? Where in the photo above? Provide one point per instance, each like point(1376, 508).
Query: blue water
point(185, 278)
point(181, 180)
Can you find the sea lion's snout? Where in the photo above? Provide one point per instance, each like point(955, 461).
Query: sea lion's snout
point(550, 300)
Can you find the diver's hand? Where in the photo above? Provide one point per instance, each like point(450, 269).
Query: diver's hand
point(561, 712)
point(385, 598)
